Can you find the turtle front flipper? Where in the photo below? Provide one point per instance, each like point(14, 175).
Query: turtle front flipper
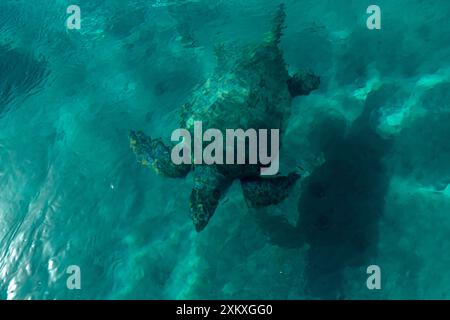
point(303, 83)
point(261, 192)
point(154, 153)
point(209, 188)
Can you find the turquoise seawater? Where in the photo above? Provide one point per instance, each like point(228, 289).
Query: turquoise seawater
point(373, 143)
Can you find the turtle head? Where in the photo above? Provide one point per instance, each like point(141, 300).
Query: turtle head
point(302, 83)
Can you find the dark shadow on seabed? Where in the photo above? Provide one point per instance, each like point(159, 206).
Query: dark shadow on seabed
point(340, 205)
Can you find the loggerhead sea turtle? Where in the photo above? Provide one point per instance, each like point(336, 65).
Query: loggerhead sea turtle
point(250, 89)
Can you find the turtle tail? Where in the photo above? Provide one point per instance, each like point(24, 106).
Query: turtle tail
point(278, 24)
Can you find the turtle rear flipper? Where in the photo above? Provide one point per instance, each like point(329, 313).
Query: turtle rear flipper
point(262, 192)
point(209, 188)
point(154, 153)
